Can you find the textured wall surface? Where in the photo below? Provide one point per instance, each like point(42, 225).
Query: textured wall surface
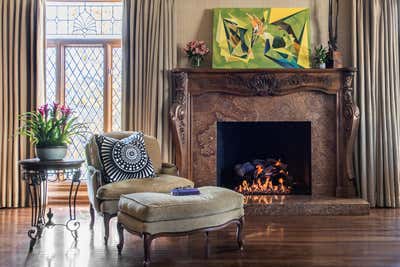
point(194, 21)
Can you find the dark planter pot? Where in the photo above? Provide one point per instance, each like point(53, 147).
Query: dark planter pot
point(51, 152)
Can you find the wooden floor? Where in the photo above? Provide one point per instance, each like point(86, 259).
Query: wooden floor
point(269, 241)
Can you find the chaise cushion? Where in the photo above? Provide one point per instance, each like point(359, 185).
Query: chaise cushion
point(153, 207)
point(162, 184)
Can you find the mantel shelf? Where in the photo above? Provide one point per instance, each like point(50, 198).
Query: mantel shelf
point(210, 70)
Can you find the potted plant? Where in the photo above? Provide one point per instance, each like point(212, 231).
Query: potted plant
point(50, 129)
point(320, 56)
point(196, 51)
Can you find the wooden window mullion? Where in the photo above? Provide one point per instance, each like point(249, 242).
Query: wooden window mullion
point(107, 88)
point(61, 74)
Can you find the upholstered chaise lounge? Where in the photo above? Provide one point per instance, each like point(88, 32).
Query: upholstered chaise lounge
point(104, 198)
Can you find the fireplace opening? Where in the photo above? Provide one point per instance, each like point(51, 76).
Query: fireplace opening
point(264, 158)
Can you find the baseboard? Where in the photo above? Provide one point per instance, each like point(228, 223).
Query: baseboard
point(58, 193)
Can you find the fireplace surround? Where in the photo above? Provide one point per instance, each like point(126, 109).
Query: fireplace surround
point(205, 98)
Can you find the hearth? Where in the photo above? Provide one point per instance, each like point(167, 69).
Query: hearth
point(264, 158)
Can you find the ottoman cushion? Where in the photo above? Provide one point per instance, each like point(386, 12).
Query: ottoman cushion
point(154, 207)
point(164, 183)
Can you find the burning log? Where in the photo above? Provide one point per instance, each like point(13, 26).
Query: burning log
point(242, 169)
point(268, 176)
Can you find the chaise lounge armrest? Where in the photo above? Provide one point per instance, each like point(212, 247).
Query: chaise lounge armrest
point(94, 182)
point(169, 168)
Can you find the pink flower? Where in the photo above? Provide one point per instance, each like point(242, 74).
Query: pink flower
point(66, 111)
point(196, 48)
point(44, 110)
point(55, 107)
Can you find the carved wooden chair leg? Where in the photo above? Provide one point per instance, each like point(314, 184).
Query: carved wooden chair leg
point(206, 247)
point(239, 233)
point(120, 245)
point(147, 238)
point(106, 219)
point(91, 210)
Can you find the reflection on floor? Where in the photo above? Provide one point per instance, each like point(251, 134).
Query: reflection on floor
point(372, 240)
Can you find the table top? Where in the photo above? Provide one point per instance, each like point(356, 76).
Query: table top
point(37, 164)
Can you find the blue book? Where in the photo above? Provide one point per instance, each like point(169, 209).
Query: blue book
point(185, 191)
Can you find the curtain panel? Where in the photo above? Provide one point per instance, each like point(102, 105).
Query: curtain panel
point(375, 44)
point(149, 53)
point(21, 77)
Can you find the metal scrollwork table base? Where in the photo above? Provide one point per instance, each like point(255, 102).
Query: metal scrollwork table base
point(37, 174)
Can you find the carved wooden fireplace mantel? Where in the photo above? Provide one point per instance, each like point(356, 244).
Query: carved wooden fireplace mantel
point(324, 97)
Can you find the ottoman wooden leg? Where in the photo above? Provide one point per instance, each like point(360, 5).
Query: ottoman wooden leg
point(147, 238)
point(239, 233)
point(106, 220)
point(120, 245)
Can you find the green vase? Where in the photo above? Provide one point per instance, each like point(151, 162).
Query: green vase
point(196, 61)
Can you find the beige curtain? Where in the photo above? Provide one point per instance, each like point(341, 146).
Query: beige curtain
point(376, 55)
point(149, 52)
point(21, 62)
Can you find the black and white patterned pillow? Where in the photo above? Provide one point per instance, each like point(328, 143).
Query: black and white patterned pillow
point(124, 159)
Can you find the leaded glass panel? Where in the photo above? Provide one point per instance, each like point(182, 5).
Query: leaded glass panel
point(116, 88)
point(51, 80)
point(83, 19)
point(84, 85)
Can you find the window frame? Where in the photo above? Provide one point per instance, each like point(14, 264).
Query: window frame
point(107, 45)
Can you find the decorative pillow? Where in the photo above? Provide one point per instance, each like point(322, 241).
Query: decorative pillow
point(124, 159)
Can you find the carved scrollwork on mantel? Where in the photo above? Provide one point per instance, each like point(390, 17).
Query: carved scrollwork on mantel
point(178, 115)
point(351, 114)
point(178, 109)
point(267, 84)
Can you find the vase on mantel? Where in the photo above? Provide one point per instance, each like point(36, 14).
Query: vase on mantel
point(196, 61)
point(196, 51)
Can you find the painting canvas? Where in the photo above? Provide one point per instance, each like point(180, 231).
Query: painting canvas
point(261, 38)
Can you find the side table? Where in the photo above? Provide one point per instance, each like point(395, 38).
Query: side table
point(36, 174)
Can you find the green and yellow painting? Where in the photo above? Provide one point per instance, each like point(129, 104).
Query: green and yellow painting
point(261, 38)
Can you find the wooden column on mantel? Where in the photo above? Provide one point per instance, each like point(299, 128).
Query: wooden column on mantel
point(191, 83)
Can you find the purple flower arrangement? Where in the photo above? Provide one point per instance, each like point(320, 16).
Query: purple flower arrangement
point(196, 51)
point(51, 125)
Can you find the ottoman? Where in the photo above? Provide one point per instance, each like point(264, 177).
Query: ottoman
point(151, 215)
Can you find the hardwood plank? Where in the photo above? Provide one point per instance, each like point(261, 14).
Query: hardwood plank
point(372, 240)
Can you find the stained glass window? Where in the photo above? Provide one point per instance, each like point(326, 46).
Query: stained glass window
point(84, 83)
point(51, 79)
point(116, 88)
point(84, 19)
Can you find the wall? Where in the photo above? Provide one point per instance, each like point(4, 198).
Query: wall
point(194, 21)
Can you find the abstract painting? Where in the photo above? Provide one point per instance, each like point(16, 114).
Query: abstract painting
point(261, 38)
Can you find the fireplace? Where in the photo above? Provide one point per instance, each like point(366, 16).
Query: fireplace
point(225, 122)
point(267, 158)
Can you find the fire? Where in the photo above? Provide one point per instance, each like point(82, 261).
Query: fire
point(264, 199)
point(263, 187)
point(268, 178)
point(259, 169)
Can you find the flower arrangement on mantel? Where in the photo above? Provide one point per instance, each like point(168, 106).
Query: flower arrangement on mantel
point(50, 129)
point(196, 51)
